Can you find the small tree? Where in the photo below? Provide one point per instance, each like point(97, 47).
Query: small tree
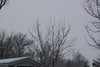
point(80, 61)
point(69, 63)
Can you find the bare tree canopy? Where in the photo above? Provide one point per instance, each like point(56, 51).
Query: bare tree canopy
point(80, 61)
point(13, 45)
point(20, 42)
point(49, 48)
point(2, 3)
point(93, 8)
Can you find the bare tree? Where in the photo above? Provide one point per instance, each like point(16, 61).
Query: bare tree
point(69, 63)
point(20, 43)
point(50, 47)
point(2, 43)
point(5, 44)
point(93, 8)
point(80, 61)
point(8, 44)
point(2, 3)
point(13, 45)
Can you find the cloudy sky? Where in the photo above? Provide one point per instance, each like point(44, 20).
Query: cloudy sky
point(19, 15)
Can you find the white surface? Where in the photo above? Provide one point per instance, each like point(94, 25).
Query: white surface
point(10, 60)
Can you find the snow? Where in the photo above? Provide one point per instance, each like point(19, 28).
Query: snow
point(5, 61)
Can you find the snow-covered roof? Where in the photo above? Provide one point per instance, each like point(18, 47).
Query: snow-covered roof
point(14, 61)
point(4, 61)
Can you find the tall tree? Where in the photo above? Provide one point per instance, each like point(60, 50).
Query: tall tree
point(93, 8)
point(50, 45)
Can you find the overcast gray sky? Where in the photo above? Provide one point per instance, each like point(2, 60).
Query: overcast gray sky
point(18, 16)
